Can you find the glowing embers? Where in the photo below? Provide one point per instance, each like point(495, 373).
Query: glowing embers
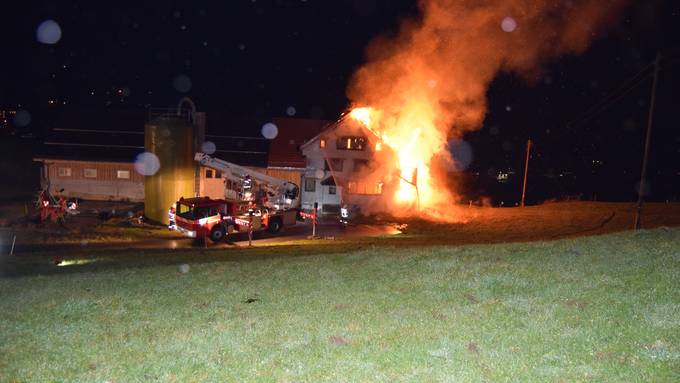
point(362, 114)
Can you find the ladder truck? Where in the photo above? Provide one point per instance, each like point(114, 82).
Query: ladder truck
point(263, 202)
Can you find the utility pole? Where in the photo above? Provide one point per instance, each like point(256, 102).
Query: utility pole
point(526, 170)
point(650, 118)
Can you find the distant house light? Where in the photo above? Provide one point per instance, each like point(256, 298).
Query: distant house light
point(322, 143)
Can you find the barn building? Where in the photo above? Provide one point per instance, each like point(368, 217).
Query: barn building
point(98, 163)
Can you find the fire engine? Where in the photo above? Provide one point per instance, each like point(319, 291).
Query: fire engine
point(263, 202)
point(54, 207)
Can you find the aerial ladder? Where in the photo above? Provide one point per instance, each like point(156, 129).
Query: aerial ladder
point(259, 188)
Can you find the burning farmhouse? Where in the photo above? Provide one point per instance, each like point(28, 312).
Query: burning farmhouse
point(356, 163)
point(428, 84)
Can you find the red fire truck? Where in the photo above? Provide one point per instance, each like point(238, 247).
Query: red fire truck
point(263, 203)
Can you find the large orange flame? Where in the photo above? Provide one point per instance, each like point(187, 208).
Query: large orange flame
point(415, 140)
point(429, 82)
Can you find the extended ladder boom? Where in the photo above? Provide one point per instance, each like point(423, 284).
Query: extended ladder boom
point(281, 194)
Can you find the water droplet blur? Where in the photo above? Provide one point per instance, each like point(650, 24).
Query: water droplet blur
point(508, 24)
point(147, 164)
point(270, 131)
point(291, 111)
point(48, 32)
point(432, 83)
point(319, 174)
point(462, 154)
point(182, 83)
point(208, 147)
point(22, 118)
point(508, 108)
point(183, 268)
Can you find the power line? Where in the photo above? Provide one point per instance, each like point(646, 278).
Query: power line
point(600, 107)
point(612, 97)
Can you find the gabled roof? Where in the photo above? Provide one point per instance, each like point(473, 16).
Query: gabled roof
point(330, 127)
point(284, 150)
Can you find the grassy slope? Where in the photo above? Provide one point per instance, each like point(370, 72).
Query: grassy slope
point(589, 309)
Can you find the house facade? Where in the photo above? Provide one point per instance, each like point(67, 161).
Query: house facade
point(338, 168)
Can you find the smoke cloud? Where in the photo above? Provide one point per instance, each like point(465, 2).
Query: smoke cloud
point(433, 75)
point(449, 56)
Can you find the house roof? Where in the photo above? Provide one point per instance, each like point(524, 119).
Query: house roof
point(284, 150)
point(332, 126)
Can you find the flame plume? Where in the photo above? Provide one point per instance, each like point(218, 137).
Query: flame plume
point(428, 84)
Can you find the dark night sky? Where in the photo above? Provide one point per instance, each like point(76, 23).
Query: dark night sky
point(253, 59)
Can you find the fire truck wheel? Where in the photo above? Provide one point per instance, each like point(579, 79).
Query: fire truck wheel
point(274, 226)
point(217, 233)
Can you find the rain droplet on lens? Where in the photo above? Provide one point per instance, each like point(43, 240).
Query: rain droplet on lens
point(48, 32)
point(508, 24)
point(21, 119)
point(208, 147)
point(182, 83)
point(147, 164)
point(270, 131)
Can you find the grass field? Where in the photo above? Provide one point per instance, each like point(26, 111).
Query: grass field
point(602, 308)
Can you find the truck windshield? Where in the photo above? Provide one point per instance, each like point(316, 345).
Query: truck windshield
point(198, 212)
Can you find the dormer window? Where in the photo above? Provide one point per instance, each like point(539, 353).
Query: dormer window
point(322, 143)
point(352, 143)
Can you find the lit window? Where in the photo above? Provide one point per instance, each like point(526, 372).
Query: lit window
point(64, 172)
point(123, 174)
point(364, 188)
point(90, 173)
point(310, 184)
point(352, 143)
point(208, 173)
point(378, 146)
point(331, 189)
point(322, 143)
